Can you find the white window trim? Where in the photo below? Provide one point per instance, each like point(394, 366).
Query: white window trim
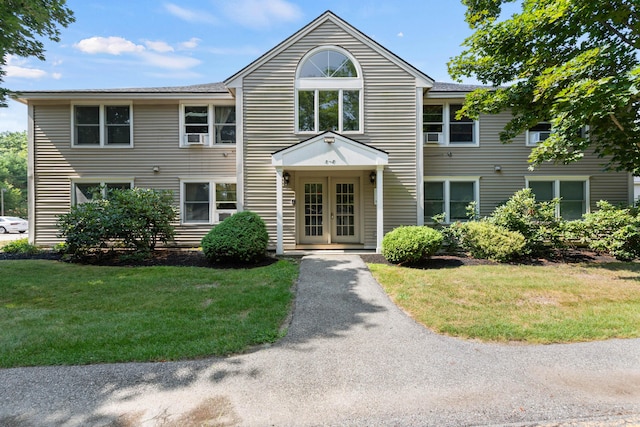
point(103, 125)
point(326, 84)
point(214, 214)
point(447, 180)
point(99, 180)
point(556, 179)
point(446, 122)
point(210, 124)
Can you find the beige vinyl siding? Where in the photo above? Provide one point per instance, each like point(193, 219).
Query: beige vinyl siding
point(156, 143)
point(389, 124)
point(496, 188)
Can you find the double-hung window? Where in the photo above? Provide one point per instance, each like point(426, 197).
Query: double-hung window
point(449, 196)
point(328, 93)
point(207, 125)
point(208, 202)
point(102, 125)
point(440, 125)
point(85, 191)
point(572, 191)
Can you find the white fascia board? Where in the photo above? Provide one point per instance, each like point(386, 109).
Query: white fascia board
point(29, 97)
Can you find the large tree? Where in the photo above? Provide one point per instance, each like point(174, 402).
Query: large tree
point(13, 172)
point(23, 23)
point(573, 63)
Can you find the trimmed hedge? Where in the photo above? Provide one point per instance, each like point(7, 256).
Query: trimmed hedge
point(240, 238)
point(486, 240)
point(410, 244)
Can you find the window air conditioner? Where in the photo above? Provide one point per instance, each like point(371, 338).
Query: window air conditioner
point(195, 138)
point(433, 137)
point(539, 136)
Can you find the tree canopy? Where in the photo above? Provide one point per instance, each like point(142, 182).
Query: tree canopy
point(573, 63)
point(13, 172)
point(23, 23)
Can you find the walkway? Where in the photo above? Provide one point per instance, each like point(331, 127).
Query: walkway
point(351, 357)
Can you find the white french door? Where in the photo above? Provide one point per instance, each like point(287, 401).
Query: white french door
point(329, 212)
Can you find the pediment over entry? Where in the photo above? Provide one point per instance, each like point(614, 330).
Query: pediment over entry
point(329, 150)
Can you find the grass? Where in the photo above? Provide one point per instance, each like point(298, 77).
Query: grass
point(53, 313)
point(532, 304)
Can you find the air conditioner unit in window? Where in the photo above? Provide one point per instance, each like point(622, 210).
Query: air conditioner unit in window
point(433, 137)
point(195, 138)
point(540, 136)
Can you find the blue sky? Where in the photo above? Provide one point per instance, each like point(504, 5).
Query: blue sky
point(145, 43)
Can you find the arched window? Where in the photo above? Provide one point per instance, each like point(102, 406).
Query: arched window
point(328, 92)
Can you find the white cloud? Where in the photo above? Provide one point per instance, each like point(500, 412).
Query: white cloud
point(400, 34)
point(158, 46)
point(110, 45)
point(261, 13)
point(190, 15)
point(56, 76)
point(192, 43)
point(15, 68)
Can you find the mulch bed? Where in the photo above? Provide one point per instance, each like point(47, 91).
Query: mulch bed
point(195, 258)
point(452, 261)
point(162, 257)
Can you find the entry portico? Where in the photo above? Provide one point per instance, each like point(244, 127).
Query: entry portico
point(328, 182)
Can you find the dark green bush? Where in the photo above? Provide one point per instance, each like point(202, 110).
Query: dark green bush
point(132, 219)
point(487, 240)
point(410, 244)
point(240, 238)
point(536, 221)
point(20, 246)
point(613, 230)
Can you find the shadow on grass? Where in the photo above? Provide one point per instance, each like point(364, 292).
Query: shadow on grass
point(329, 303)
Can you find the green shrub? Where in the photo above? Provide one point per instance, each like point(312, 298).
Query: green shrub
point(20, 246)
point(240, 238)
point(613, 230)
point(536, 221)
point(132, 219)
point(410, 244)
point(487, 240)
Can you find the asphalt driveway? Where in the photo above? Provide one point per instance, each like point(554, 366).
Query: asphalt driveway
point(351, 357)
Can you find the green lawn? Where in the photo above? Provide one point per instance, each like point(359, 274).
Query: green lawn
point(54, 313)
point(533, 304)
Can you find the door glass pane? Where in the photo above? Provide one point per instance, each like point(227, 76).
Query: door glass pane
point(313, 209)
point(345, 210)
point(462, 193)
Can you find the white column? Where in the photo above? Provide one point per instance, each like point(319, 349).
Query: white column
point(379, 208)
point(419, 158)
point(279, 213)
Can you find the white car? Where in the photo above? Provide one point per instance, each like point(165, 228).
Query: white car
point(13, 224)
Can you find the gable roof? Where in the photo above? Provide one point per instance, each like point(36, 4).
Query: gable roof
point(329, 149)
point(236, 80)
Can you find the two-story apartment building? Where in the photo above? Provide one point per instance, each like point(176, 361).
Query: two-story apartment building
point(332, 139)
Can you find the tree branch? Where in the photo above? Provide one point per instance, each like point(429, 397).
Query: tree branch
point(620, 34)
